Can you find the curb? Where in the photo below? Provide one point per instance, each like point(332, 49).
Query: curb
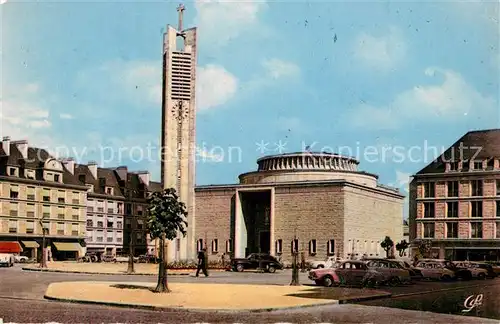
point(186, 310)
point(111, 274)
point(360, 299)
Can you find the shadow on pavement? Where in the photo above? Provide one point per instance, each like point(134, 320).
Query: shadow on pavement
point(125, 286)
point(341, 294)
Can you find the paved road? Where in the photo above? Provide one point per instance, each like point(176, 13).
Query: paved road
point(21, 291)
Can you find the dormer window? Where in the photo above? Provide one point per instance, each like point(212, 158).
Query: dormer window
point(29, 174)
point(13, 172)
point(81, 178)
point(478, 165)
point(109, 190)
point(57, 178)
point(453, 166)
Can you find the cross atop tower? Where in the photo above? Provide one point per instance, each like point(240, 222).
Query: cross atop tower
point(180, 10)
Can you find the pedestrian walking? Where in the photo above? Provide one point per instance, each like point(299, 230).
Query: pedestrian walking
point(202, 263)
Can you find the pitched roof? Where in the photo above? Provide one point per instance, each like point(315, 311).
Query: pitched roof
point(479, 145)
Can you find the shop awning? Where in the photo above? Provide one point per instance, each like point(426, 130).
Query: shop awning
point(68, 247)
point(10, 247)
point(30, 244)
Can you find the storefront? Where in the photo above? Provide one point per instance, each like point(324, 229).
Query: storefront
point(66, 251)
point(30, 249)
point(11, 247)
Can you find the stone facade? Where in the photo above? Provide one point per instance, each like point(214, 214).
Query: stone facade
point(473, 232)
point(327, 217)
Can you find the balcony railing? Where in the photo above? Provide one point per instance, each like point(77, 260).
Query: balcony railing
point(12, 230)
point(99, 239)
point(13, 213)
point(74, 233)
point(29, 231)
point(109, 239)
point(111, 211)
point(46, 215)
point(75, 217)
point(60, 232)
point(100, 210)
point(30, 214)
point(30, 197)
point(60, 216)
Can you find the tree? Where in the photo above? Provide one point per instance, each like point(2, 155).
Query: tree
point(166, 218)
point(424, 248)
point(387, 244)
point(401, 247)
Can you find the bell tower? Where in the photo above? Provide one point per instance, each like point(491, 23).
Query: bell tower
point(178, 135)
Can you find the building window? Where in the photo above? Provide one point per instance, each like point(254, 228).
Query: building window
point(90, 223)
point(331, 247)
point(30, 227)
point(74, 229)
point(452, 230)
point(12, 171)
point(429, 210)
point(215, 245)
point(476, 209)
point(119, 224)
point(429, 189)
point(498, 208)
point(100, 224)
point(279, 246)
point(452, 188)
point(478, 165)
point(452, 209)
point(498, 187)
point(453, 166)
point(200, 245)
point(476, 188)
point(60, 228)
point(12, 226)
point(429, 230)
point(295, 246)
point(498, 230)
point(14, 192)
point(476, 230)
point(312, 247)
point(56, 177)
point(13, 209)
point(229, 246)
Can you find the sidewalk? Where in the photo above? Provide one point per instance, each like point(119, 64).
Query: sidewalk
point(202, 297)
point(108, 268)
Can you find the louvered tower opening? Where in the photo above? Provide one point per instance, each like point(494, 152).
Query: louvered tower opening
point(181, 76)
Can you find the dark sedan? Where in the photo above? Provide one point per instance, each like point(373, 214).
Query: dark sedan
point(262, 261)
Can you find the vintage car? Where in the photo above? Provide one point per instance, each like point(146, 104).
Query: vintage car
point(436, 269)
point(475, 269)
point(393, 273)
point(21, 259)
point(7, 259)
point(352, 273)
point(256, 261)
point(414, 272)
point(495, 266)
point(327, 263)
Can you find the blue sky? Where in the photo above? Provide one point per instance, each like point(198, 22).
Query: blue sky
point(369, 76)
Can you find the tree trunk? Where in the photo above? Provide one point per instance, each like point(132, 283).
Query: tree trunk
point(130, 268)
point(162, 285)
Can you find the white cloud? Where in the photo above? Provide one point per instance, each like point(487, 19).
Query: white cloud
point(139, 83)
point(277, 68)
point(381, 52)
point(215, 87)
point(453, 98)
point(402, 181)
point(222, 20)
point(24, 115)
point(65, 116)
point(208, 156)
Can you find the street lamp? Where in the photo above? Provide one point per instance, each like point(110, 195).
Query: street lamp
point(43, 264)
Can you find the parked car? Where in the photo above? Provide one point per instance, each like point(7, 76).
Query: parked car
point(7, 259)
point(108, 258)
point(254, 261)
point(21, 259)
point(327, 263)
point(124, 258)
point(148, 258)
point(495, 266)
point(436, 269)
point(393, 273)
point(476, 271)
point(415, 273)
point(353, 273)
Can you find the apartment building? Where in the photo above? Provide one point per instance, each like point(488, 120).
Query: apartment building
point(455, 200)
point(116, 209)
point(37, 193)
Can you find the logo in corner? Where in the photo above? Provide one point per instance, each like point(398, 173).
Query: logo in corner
point(472, 302)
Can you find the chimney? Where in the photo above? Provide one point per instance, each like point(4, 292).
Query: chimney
point(69, 163)
point(22, 146)
point(145, 177)
point(6, 145)
point(93, 168)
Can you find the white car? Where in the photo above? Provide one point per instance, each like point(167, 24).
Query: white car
point(6, 259)
point(328, 263)
point(20, 258)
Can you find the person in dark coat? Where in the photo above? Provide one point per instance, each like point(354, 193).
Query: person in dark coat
point(202, 263)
